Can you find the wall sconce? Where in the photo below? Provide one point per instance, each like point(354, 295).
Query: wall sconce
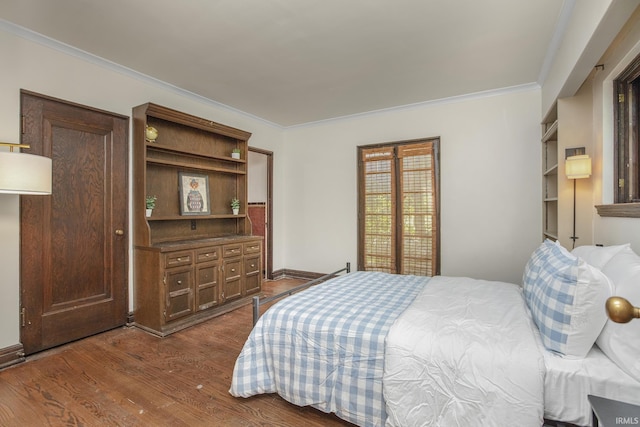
point(620, 310)
point(577, 165)
point(22, 173)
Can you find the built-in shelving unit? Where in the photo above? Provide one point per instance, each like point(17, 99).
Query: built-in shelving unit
point(550, 175)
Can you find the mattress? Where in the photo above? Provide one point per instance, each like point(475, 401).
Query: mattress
point(569, 382)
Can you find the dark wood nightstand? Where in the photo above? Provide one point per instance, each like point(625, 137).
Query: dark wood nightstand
point(612, 413)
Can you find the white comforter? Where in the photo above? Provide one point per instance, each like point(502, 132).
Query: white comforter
point(464, 353)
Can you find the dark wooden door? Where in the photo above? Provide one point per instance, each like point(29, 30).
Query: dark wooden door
point(73, 250)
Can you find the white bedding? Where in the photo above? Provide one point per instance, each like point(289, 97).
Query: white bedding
point(569, 382)
point(464, 353)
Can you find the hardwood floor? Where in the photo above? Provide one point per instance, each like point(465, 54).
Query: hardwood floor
point(127, 377)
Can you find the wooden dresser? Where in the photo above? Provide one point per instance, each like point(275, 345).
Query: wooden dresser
point(190, 264)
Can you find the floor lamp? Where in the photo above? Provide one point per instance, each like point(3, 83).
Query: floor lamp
point(577, 166)
point(23, 173)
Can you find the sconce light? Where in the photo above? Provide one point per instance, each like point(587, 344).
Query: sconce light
point(577, 165)
point(620, 310)
point(22, 173)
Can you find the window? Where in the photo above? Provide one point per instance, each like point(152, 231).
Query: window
point(398, 212)
point(626, 116)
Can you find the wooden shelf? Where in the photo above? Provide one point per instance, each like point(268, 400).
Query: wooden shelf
point(157, 147)
point(187, 143)
point(189, 166)
point(190, 217)
point(553, 170)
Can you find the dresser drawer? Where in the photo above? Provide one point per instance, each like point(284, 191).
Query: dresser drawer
point(208, 254)
point(251, 265)
point(178, 280)
point(232, 250)
point(175, 259)
point(232, 269)
point(252, 248)
point(179, 293)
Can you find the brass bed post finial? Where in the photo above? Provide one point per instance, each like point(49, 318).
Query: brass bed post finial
point(620, 310)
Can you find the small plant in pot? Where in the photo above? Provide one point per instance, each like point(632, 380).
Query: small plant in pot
point(151, 204)
point(235, 205)
point(235, 153)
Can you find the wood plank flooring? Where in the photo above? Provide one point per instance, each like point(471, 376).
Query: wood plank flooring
point(127, 377)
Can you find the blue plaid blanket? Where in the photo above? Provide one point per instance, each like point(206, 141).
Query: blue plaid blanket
point(324, 346)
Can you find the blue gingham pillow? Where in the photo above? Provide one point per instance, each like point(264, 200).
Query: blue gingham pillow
point(532, 269)
point(567, 300)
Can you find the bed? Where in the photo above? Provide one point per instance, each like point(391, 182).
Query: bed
point(380, 349)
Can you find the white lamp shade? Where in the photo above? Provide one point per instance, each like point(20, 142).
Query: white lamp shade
point(577, 167)
point(22, 173)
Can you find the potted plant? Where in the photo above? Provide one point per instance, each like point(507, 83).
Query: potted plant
point(235, 205)
point(151, 204)
point(235, 153)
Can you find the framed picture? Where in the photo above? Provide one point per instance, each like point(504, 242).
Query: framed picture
point(194, 194)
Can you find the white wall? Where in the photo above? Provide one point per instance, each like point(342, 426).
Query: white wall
point(35, 66)
point(490, 157)
point(574, 115)
point(591, 27)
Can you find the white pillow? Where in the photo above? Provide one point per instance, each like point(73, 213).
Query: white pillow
point(567, 303)
point(598, 256)
point(621, 341)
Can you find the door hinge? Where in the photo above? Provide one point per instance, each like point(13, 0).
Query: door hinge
point(23, 124)
point(621, 183)
point(23, 315)
point(621, 97)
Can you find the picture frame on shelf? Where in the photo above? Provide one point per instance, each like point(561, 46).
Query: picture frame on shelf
point(194, 194)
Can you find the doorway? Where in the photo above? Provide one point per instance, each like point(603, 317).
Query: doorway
point(260, 193)
point(73, 243)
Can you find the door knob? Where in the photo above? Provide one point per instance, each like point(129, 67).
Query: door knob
point(119, 232)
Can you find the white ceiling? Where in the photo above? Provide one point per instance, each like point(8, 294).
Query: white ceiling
point(291, 62)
